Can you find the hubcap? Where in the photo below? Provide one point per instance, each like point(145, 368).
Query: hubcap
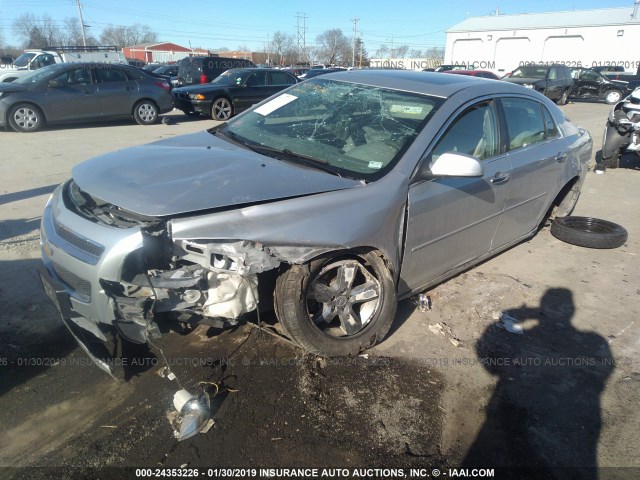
point(343, 298)
point(613, 97)
point(146, 112)
point(26, 118)
point(221, 109)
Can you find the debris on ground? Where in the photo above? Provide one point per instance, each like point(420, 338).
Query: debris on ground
point(510, 324)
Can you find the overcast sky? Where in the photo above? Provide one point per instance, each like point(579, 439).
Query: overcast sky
point(421, 24)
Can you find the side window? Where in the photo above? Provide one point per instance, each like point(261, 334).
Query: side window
point(524, 122)
point(281, 78)
point(590, 76)
point(257, 79)
point(78, 76)
point(474, 133)
point(553, 74)
point(109, 75)
point(550, 128)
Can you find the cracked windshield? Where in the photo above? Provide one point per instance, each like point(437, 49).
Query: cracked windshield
point(354, 130)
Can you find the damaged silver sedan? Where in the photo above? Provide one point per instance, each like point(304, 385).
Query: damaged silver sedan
point(328, 202)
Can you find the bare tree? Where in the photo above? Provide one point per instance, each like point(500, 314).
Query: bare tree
point(334, 47)
point(123, 36)
point(281, 45)
point(382, 51)
point(36, 32)
point(401, 51)
point(415, 53)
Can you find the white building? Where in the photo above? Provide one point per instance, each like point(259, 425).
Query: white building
point(585, 38)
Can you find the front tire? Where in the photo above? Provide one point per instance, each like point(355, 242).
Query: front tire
point(337, 305)
point(221, 109)
point(146, 112)
point(25, 117)
point(612, 96)
point(563, 98)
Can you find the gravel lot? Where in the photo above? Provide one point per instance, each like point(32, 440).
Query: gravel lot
point(562, 394)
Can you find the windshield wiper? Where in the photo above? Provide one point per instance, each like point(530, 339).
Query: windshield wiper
point(284, 154)
point(299, 158)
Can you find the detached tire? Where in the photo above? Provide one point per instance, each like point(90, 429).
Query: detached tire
point(337, 305)
point(589, 232)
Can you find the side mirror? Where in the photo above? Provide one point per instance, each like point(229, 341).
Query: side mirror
point(453, 165)
point(53, 84)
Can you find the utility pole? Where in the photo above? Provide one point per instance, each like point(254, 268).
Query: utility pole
point(302, 35)
point(84, 36)
point(355, 33)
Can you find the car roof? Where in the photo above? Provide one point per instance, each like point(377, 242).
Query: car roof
point(427, 83)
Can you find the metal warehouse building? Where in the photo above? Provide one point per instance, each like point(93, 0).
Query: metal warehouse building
point(585, 38)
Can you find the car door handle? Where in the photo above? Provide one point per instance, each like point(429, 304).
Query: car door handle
point(561, 157)
point(500, 178)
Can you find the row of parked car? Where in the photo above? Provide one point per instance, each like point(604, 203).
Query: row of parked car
point(560, 83)
point(218, 88)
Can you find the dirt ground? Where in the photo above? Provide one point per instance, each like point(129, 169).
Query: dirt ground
point(448, 388)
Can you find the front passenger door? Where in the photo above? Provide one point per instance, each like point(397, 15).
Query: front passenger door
point(253, 91)
point(74, 97)
point(452, 220)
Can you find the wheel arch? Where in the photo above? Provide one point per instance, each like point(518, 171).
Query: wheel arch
point(564, 202)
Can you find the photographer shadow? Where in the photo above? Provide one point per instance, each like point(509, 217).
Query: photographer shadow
point(544, 414)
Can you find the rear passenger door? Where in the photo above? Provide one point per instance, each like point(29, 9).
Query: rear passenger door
point(116, 90)
point(537, 160)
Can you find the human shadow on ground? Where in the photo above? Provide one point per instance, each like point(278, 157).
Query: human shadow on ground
point(543, 419)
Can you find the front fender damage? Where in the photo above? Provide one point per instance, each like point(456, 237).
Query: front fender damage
point(214, 281)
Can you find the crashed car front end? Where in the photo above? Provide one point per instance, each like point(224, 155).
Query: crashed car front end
point(119, 269)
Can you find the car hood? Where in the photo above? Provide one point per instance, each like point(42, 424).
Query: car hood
point(523, 80)
point(6, 87)
point(196, 172)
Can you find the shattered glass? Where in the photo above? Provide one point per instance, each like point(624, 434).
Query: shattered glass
point(358, 130)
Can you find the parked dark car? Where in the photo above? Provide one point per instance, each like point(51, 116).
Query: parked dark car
point(314, 72)
point(196, 70)
point(553, 81)
point(134, 62)
point(628, 82)
point(232, 92)
point(80, 92)
point(338, 197)
point(609, 68)
point(6, 60)
point(589, 84)
point(474, 73)
point(167, 70)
